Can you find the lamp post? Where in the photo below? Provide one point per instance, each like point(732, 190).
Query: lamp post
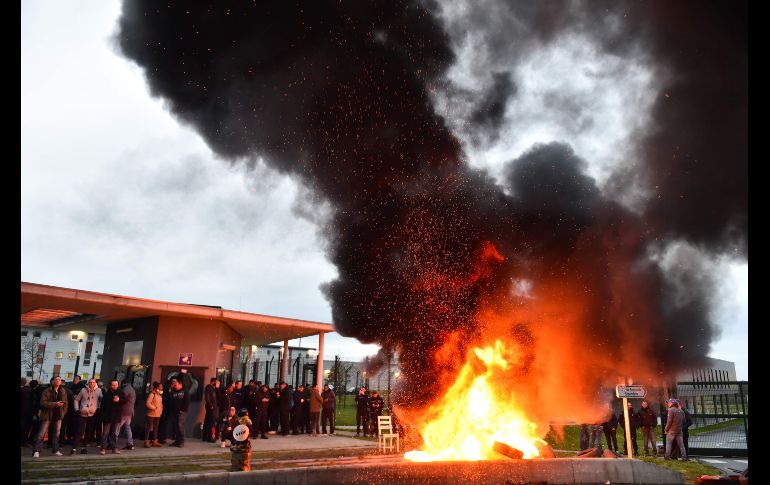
point(256, 362)
point(77, 357)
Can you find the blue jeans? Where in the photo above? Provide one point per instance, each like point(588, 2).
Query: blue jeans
point(116, 430)
point(54, 440)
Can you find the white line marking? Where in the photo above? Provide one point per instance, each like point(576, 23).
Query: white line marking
point(712, 461)
point(743, 461)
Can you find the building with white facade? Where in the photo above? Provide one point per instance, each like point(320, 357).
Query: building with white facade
point(48, 353)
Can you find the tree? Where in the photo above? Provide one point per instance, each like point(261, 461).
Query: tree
point(32, 354)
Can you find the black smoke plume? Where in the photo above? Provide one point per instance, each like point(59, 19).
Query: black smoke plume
point(338, 95)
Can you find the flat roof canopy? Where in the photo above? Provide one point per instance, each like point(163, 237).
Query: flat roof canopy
point(69, 309)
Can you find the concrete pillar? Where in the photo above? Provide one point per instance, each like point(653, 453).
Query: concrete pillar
point(284, 360)
point(320, 364)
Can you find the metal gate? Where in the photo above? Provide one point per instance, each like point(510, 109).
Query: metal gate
point(720, 416)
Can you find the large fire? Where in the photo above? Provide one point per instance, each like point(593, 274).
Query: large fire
point(478, 410)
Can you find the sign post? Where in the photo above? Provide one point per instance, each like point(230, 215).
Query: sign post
point(634, 392)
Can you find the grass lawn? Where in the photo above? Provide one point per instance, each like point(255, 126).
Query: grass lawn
point(692, 470)
point(715, 427)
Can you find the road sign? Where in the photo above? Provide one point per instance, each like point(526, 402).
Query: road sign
point(633, 392)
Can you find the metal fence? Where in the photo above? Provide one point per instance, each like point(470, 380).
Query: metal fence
point(720, 416)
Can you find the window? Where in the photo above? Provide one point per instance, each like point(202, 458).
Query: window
point(84, 375)
point(55, 336)
point(41, 348)
point(29, 373)
point(59, 355)
point(71, 355)
point(90, 337)
point(23, 333)
point(36, 334)
point(86, 361)
point(97, 376)
point(73, 336)
point(39, 360)
point(99, 357)
point(68, 375)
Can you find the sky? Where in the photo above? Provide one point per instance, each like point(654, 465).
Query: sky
point(118, 197)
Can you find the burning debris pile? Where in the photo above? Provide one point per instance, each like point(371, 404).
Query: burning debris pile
point(505, 290)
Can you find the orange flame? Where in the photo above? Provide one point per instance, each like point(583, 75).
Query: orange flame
point(476, 411)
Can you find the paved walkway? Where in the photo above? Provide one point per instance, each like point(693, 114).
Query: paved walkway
point(194, 446)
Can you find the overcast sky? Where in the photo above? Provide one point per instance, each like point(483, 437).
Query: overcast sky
point(118, 197)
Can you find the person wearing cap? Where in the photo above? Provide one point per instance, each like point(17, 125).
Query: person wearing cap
point(633, 422)
point(362, 411)
point(674, 425)
point(648, 420)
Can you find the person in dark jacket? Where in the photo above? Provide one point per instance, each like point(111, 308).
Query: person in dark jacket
point(610, 427)
point(229, 422)
point(236, 399)
point(308, 417)
point(375, 404)
point(26, 413)
point(298, 411)
point(68, 423)
point(674, 428)
point(180, 404)
point(212, 411)
point(648, 421)
point(53, 408)
point(165, 416)
point(223, 402)
point(110, 398)
point(274, 409)
point(685, 428)
point(284, 406)
point(585, 436)
point(37, 392)
point(633, 422)
point(327, 409)
point(362, 411)
point(263, 403)
point(127, 404)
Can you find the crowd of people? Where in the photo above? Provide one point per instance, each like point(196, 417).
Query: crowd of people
point(675, 429)
point(79, 413)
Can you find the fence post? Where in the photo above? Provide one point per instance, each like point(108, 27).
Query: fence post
point(745, 420)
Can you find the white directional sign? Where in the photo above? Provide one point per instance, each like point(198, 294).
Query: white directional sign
point(632, 391)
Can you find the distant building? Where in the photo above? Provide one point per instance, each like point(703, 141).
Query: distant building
point(49, 353)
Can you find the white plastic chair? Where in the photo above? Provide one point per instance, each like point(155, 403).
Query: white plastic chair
point(386, 434)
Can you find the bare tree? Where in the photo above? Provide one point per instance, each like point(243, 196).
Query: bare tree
point(32, 354)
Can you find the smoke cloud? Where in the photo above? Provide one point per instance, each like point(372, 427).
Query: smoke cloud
point(433, 254)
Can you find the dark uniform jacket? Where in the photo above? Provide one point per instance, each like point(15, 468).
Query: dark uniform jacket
point(362, 403)
point(375, 405)
point(648, 417)
point(633, 420)
point(180, 401)
point(210, 396)
point(284, 399)
point(329, 400)
point(611, 424)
